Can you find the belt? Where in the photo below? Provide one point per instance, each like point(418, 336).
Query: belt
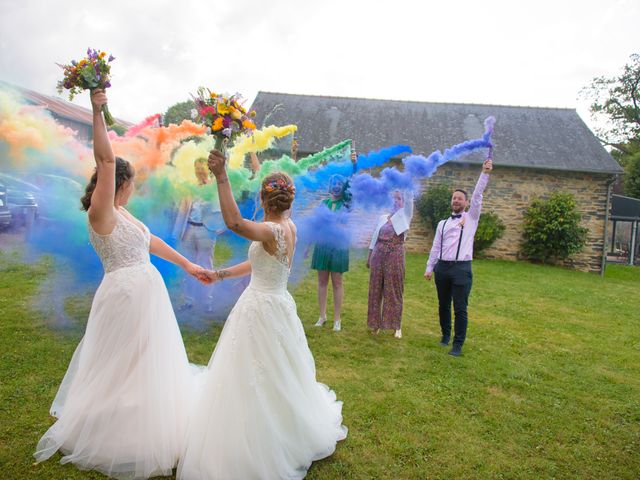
point(452, 262)
point(195, 224)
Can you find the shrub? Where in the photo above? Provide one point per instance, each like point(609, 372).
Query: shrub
point(434, 205)
point(490, 229)
point(552, 228)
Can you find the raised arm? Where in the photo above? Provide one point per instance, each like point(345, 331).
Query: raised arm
point(256, 231)
point(101, 212)
point(255, 162)
point(354, 161)
point(476, 197)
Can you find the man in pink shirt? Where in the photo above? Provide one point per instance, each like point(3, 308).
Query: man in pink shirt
point(450, 260)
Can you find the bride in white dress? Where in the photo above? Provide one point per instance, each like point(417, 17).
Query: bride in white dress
point(124, 403)
point(261, 413)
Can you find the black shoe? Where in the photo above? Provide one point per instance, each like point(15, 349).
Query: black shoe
point(444, 341)
point(456, 350)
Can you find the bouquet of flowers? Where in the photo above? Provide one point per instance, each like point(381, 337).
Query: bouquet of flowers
point(89, 73)
point(224, 116)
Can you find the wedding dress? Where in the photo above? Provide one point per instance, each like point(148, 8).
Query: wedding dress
point(123, 405)
point(261, 414)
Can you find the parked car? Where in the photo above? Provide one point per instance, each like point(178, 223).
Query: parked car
point(5, 213)
point(57, 195)
point(23, 206)
point(20, 200)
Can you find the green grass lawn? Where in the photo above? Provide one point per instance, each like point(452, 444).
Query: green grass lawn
point(548, 386)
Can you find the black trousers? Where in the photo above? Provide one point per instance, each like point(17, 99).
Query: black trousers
point(453, 282)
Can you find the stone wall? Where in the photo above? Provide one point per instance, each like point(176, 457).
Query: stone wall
point(509, 192)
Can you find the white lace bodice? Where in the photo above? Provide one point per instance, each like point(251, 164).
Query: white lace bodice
point(270, 273)
point(126, 246)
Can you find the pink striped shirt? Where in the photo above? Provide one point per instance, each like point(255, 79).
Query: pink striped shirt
point(452, 228)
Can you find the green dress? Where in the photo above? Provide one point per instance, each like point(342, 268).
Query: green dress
point(326, 257)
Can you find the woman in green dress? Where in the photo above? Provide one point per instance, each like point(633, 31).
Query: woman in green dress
point(332, 261)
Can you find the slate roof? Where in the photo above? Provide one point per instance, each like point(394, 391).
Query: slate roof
point(58, 106)
point(526, 137)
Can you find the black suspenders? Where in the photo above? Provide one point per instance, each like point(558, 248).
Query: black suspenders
point(442, 239)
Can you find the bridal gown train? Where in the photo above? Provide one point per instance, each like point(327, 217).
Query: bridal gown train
point(261, 413)
point(124, 403)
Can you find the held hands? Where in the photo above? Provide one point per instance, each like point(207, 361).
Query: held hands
point(210, 276)
point(217, 163)
point(487, 166)
point(98, 99)
point(198, 272)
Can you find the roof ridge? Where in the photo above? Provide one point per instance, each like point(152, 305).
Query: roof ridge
point(368, 99)
point(58, 105)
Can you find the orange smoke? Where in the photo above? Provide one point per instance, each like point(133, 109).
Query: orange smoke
point(36, 142)
point(152, 146)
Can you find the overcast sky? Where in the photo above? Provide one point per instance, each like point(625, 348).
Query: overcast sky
point(493, 52)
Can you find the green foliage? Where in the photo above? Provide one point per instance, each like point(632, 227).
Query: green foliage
point(630, 160)
point(552, 228)
point(175, 114)
point(615, 103)
point(434, 205)
point(490, 229)
point(632, 176)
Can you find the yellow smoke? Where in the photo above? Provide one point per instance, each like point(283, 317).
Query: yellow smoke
point(188, 153)
point(260, 140)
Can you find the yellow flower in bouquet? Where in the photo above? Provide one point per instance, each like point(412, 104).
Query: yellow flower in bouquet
point(223, 109)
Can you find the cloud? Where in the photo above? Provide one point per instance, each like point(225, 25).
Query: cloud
point(489, 52)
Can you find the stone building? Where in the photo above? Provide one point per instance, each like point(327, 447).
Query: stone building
point(65, 113)
point(537, 151)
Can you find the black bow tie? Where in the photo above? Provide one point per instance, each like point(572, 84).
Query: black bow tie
point(456, 216)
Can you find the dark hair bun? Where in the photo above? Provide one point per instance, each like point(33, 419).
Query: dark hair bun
point(278, 192)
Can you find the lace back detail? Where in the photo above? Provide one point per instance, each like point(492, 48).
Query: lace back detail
point(270, 272)
point(126, 246)
point(281, 251)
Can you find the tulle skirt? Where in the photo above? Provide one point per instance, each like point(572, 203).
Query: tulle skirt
point(124, 403)
point(261, 413)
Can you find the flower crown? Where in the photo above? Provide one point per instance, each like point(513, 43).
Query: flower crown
point(279, 184)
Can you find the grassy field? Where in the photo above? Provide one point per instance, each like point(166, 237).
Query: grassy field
point(548, 386)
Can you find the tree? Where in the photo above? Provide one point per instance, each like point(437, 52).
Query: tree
point(615, 103)
point(178, 112)
point(631, 178)
point(552, 228)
